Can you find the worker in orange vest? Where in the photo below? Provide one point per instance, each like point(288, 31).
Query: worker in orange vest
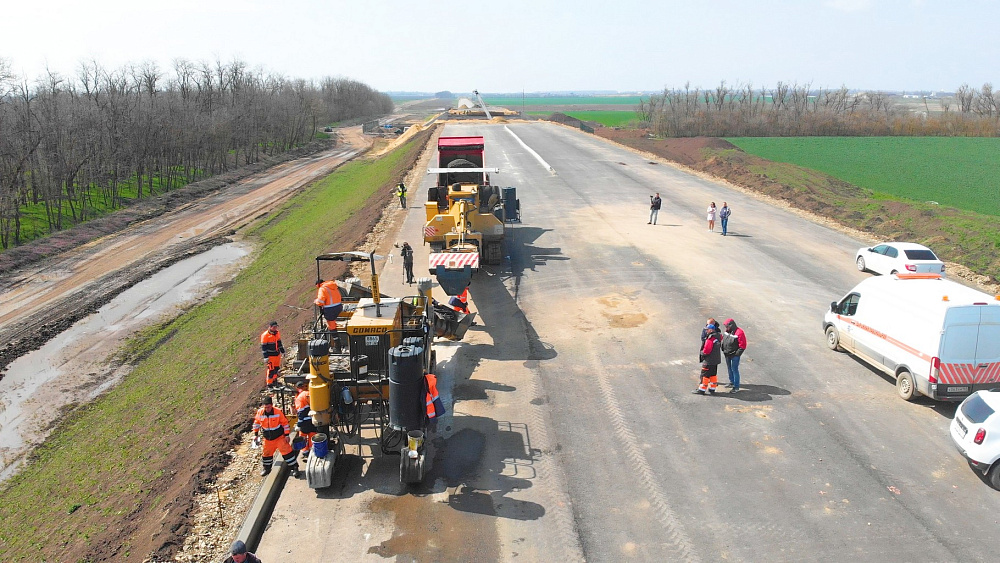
point(273, 424)
point(328, 300)
point(460, 302)
point(302, 408)
point(434, 405)
point(272, 349)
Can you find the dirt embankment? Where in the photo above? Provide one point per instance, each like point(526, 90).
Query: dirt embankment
point(840, 204)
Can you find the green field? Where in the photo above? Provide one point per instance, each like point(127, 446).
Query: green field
point(962, 172)
point(514, 101)
point(605, 118)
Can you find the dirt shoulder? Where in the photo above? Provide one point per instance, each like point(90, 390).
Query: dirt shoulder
point(838, 204)
point(43, 295)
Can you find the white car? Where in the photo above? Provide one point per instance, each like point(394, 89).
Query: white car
point(976, 433)
point(899, 257)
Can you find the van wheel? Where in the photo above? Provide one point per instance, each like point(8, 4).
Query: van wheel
point(905, 387)
point(832, 338)
point(994, 475)
point(861, 264)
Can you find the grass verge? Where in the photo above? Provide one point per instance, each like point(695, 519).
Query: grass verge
point(111, 461)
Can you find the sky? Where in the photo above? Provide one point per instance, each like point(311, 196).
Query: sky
point(525, 45)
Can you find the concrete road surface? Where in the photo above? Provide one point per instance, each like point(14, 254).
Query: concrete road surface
point(573, 434)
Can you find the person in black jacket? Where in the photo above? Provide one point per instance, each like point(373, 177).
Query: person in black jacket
point(407, 253)
point(654, 208)
point(710, 358)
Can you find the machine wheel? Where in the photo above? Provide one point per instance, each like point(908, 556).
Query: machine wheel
point(861, 264)
point(905, 386)
point(994, 475)
point(832, 338)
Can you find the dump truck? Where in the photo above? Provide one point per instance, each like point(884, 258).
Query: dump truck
point(466, 216)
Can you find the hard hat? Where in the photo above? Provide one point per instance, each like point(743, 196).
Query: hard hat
point(238, 548)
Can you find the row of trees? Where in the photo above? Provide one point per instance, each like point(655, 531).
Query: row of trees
point(76, 146)
point(793, 109)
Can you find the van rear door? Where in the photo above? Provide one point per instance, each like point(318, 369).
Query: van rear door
point(958, 351)
point(988, 347)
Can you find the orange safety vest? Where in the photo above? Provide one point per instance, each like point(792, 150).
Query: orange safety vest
point(460, 302)
point(270, 344)
point(272, 426)
point(328, 294)
point(435, 407)
point(302, 403)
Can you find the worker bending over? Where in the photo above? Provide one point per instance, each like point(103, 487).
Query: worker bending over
point(272, 349)
point(272, 423)
point(302, 408)
point(460, 302)
point(328, 300)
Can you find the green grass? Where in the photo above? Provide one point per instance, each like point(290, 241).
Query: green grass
point(514, 101)
point(605, 118)
point(962, 172)
point(102, 460)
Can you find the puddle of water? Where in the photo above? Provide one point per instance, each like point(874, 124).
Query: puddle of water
point(72, 368)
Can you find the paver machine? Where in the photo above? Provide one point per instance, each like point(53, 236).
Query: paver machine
point(466, 216)
point(367, 378)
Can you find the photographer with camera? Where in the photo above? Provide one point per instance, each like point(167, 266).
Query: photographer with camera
point(654, 208)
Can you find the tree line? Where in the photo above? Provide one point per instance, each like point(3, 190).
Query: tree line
point(72, 148)
point(800, 110)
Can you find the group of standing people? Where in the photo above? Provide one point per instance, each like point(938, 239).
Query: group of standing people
point(723, 213)
point(717, 345)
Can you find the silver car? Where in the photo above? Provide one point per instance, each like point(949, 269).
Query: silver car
point(899, 258)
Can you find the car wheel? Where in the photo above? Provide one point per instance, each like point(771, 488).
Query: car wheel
point(832, 338)
point(905, 387)
point(994, 475)
point(861, 264)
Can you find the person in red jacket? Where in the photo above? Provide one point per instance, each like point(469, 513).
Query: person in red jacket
point(272, 350)
point(710, 357)
point(271, 422)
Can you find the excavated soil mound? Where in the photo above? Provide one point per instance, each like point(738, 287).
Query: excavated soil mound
point(685, 150)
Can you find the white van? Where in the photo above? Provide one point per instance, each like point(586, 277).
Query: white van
point(936, 337)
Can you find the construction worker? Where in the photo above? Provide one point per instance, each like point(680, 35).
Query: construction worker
point(460, 302)
point(305, 423)
point(710, 358)
point(239, 553)
point(407, 253)
point(328, 300)
point(272, 349)
point(273, 424)
point(401, 194)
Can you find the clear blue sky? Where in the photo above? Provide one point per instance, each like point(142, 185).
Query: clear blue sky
point(531, 45)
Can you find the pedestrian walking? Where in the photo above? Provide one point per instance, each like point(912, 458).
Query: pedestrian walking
point(734, 343)
point(239, 554)
point(724, 214)
point(272, 349)
point(328, 301)
point(654, 208)
point(710, 358)
point(271, 422)
point(401, 194)
point(305, 424)
point(711, 217)
point(407, 253)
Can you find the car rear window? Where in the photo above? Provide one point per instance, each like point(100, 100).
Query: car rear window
point(917, 254)
point(976, 409)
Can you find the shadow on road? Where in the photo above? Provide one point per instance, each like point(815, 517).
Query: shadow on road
point(754, 393)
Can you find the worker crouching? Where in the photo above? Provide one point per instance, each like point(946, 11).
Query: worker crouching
point(273, 425)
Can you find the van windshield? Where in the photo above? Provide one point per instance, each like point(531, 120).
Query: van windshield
point(918, 254)
point(976, 409)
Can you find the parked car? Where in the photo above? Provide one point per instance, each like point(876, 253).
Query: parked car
point(899, 257)
point(976, 432)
